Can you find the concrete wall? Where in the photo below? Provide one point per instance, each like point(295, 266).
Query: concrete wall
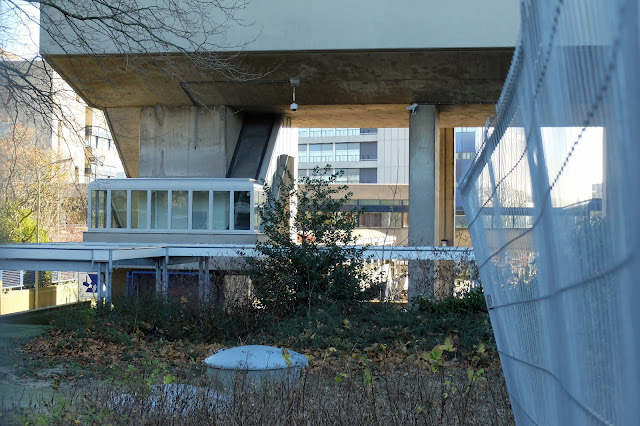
point(185, 142)
point(331, 24)
point(286, 143)
point(393, 155)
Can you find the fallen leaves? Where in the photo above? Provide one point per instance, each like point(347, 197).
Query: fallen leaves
point(98, 351)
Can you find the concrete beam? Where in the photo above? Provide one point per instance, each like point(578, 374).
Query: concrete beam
point(385, 115)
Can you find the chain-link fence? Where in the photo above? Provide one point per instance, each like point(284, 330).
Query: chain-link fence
point(552, 203)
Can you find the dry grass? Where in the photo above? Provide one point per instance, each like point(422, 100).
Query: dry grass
point(361, 393)
point(368, 364)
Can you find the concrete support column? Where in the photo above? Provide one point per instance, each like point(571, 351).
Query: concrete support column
point(445, 269)
point(204, 279)
point(162, 275)
point(424, 188)
point(447, 199)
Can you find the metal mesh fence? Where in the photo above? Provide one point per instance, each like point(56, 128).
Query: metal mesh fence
point(552, 203)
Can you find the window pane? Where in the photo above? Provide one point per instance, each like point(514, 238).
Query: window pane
point(342, 177)
point(368, 131)
point(370, 220)
point(342, 152)
point(139, 209)
point(159, 209)
point(200, 210)
point(327, 152)
point(119, 209)
point(221, 209)
point(369, 151)
point(302, 154)
point(320, 152)
point(353, 175)
point(354, 152)
point(179, 209)
point(241, 210)
point(391, 220)
point(368, 175)
point(98, 207)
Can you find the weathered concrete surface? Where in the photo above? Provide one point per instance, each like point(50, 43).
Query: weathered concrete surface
point(424, 175)
point(364, 88)
point(182, 142)
point(367, 77)
point(424, 188)
point(125, 129)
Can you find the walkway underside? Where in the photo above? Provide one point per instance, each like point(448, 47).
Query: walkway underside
point(92, 257)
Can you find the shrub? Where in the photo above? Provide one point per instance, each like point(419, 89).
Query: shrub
point(470, 301)
point(308, 259)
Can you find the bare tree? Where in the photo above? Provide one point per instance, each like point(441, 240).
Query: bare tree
point(165, 35)
point(160, 36)
point(20, 164)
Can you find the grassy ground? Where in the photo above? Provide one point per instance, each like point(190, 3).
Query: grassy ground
point(369, 363)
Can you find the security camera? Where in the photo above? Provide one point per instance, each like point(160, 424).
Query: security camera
point(293, 106)
point(413, 107)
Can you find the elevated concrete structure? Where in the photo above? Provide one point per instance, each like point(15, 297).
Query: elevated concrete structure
point(359, 63)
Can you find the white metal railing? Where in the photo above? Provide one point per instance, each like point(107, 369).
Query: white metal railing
point(188, 205)
point(20, 279)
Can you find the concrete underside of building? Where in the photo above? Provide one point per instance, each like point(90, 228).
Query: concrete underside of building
point(337, 89)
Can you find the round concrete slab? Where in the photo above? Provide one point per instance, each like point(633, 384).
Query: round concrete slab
point(254, 364)
point(256, 357)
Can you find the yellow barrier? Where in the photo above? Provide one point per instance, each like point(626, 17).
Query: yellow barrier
point(22, 300)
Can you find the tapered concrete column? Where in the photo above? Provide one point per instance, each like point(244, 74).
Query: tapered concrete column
point(424, 188)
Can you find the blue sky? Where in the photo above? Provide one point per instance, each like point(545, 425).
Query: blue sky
point(19, 27)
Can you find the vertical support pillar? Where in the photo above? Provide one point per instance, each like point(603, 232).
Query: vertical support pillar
point(107, 283)
point(200, 280)
point(447, 199)
point(165, 276)
point(204, 279)
point(445, 269)
point(162, 275)
point(36, 287)
point(158, 276)
point(424, 173)
point(207, 281)
point(100, 284)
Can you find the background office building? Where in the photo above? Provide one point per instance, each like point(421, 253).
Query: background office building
point(375, 165)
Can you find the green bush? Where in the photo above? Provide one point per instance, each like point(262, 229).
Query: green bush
point(307, 261)
point(470, 301)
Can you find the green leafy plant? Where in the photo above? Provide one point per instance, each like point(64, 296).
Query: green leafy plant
point(469, 301)
point(308, 258)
